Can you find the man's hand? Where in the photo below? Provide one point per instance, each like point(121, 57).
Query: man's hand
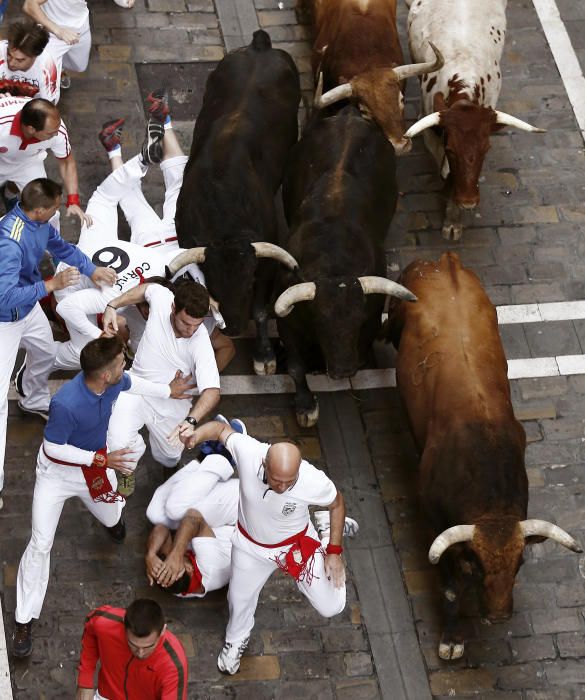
point(180, 386)
point(76, 210)
point(63, 279)
point(172, 569)
point(335, 569)
point(110, 321)
point(67, 35)
point(119, 461)
point(85, 694)
point(153, 567)
point(185, 433)
point(104, 277)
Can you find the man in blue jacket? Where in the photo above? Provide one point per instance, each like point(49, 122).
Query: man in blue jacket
point(25, 234)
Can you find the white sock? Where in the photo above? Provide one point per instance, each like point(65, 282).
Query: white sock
point(116, 151)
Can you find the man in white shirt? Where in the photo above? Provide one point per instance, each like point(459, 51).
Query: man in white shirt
point(200, 503)
point(27, 67)
point(174, 338)
point(28, 129)
point(68, 23)
point(274, 530)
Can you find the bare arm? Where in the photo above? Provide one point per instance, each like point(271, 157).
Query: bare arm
point(136, 295)
point(158, 540)
point(223, 347)
point(212, 430)
point(84, 694)
point(334, 564)
point(207, 401)
point(33, 9)
point(173, 567)
point(68, 172)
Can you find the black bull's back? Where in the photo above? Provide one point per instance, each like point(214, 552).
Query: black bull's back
point(339, 195)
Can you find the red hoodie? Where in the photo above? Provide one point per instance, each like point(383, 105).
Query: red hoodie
point(122, 676)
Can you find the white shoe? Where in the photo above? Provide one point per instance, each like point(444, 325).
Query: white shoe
point(229, 657)
point(321, 519)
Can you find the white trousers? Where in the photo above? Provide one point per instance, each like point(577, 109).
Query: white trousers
point(75, 57)
point(53, 486)
point(197, 485)
point(124, 187)
point(252, 566)
point(132, 412)
point(34, 334)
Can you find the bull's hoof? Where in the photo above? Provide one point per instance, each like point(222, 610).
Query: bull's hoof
point(452, 231)
point(307, 419)
point(449, 651)
point(265, 367)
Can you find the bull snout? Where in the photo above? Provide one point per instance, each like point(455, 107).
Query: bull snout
point(469, 204)
point(402, 146)
point(499, 616)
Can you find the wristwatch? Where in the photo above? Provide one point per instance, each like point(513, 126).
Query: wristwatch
point(191, 420)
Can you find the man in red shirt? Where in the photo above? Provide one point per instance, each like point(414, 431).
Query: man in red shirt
point(138, 657)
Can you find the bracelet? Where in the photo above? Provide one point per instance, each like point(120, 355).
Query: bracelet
point(111, 307)
point(334, 549)
point(73, 199)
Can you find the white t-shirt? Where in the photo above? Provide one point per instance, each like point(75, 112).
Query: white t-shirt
point(44, 74)
point(270, 517)
point(160, 353)
point(67, 13)
point(15, 152)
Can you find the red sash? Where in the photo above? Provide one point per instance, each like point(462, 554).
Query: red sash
point(196, 578)
point(96, 477)
point(299, 560)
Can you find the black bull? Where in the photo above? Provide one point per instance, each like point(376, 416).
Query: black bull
point(339, 197)
point(241, 140)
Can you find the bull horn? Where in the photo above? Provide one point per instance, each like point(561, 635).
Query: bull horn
point(553, 532)
point(453, 535)
point(414, 69)
point(193, 255)
point(305, 291)
point(433, 119)
point(341, 92)
point(380, 285)
point(509, 120)
point(269, 250)
point(319, 90)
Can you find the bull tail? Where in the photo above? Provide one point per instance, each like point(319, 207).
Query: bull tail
point(261, 40)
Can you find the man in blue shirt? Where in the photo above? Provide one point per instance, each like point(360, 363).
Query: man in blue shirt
point(25, 234)
point(74, 461)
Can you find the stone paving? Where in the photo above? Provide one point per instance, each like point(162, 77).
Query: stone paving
point(526, 243)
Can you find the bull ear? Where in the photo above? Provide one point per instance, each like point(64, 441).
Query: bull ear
point(168, 274)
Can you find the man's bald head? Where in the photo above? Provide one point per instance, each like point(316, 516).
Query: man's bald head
point(282, 464)
point(40, 119)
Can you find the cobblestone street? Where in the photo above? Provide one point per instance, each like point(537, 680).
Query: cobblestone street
point(526, 242)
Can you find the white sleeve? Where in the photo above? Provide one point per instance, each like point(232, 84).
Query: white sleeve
point(159, 299)
point(206, 374)
point(315, 487)
point(75, 308)
point(246, 450)
point(145, 387)
point(68, 453)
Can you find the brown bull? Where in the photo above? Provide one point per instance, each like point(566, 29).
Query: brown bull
point(452, 377)
point(357, 51)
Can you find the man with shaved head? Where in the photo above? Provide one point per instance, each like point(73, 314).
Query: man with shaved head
point(277, 486)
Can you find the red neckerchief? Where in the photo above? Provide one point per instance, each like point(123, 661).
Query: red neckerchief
point(196, 578)
point(16, 130)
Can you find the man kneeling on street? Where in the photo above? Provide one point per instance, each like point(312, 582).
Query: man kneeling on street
point(200, 502)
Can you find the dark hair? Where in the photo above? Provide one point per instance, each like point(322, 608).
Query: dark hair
point(35, 113)
point(193, 297)
point(98, 354)
point(28, 37)
point(143, 617)
point(181, 585)
point(163, 281)
point(40, 193)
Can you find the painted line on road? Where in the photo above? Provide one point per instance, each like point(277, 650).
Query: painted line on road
point(251, 385)
point(564, 55)
point(511, 313)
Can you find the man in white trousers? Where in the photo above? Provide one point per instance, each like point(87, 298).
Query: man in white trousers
point(200, 503)
point(68, 23)
point(274, 531)
point(25, 233)
point(74, 460)
point(174, 338)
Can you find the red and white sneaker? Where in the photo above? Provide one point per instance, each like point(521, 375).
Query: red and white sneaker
point(158, 108)
point(111, 133)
